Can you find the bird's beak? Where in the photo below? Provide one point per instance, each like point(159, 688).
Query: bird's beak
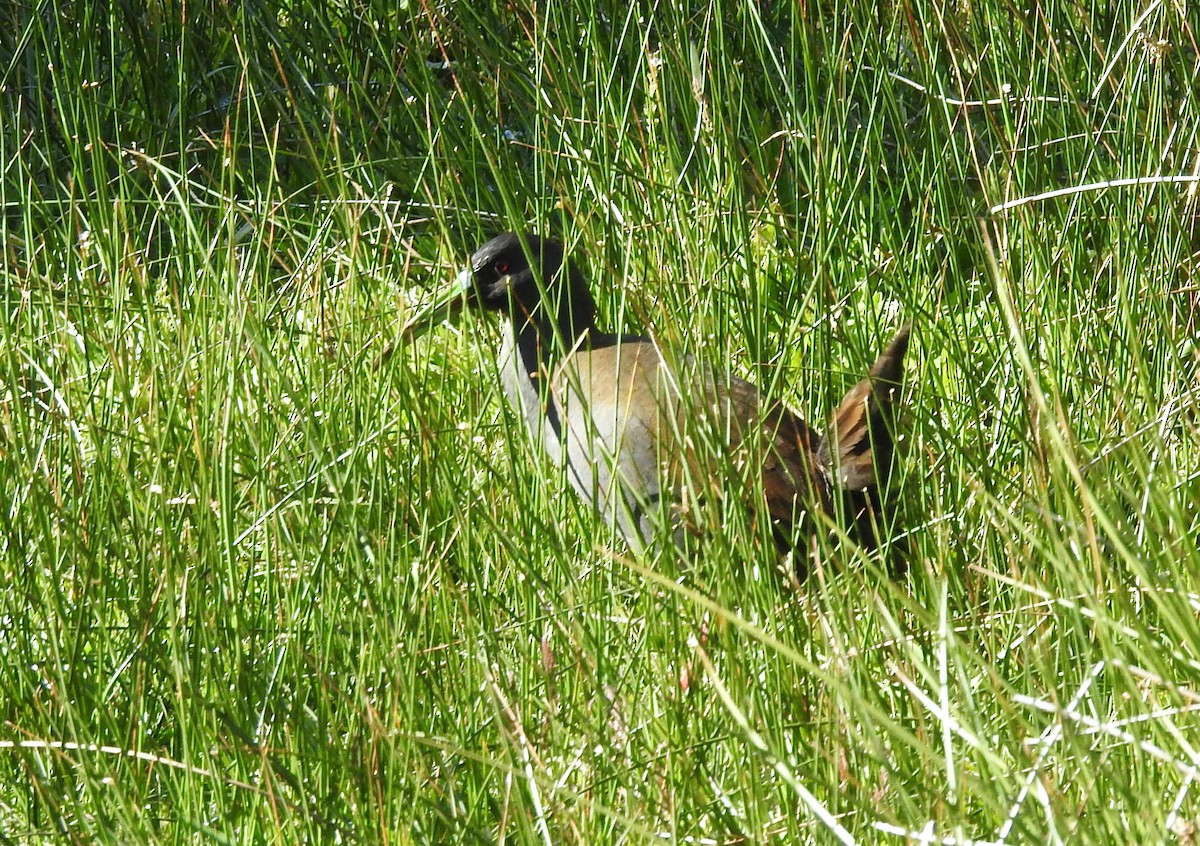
point(446, 305)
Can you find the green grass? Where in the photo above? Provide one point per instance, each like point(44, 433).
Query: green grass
point(253, 589)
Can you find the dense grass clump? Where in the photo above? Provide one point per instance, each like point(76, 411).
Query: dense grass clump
point(255, 589)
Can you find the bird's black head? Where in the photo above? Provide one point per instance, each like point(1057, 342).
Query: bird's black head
point(530, 282)
point(504, 277)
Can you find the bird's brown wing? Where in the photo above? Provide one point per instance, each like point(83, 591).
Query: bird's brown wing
point(770, 447)
point(857, 453)
point(793, 483)
point(858, 449)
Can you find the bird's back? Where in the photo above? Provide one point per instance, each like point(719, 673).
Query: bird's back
point(641, 436)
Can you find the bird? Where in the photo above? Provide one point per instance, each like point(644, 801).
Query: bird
point(614, 413)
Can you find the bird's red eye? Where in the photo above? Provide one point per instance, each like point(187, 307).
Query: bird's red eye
point(501, 267)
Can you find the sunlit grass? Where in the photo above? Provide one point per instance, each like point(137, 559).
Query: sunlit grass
point(258, 589)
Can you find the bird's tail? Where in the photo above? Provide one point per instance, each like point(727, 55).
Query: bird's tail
point(856, 452)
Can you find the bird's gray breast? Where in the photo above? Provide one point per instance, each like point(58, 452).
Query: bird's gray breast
point(524, 388)
point(599, 419)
